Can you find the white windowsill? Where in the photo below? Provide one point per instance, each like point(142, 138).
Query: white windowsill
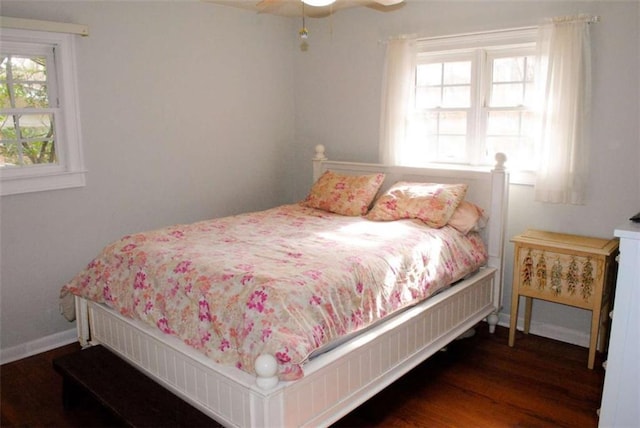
point(39, 183)
point(524, 178)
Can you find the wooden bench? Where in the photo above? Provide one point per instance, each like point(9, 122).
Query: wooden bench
point(125, 391)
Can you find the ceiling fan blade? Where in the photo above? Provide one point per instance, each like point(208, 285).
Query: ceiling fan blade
point(294, 8)
point(385, 5)
point(266, 5)
point(388, 2)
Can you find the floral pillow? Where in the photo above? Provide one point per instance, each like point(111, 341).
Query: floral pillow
point(344, 194)
point(432, 203)
point(468, 217)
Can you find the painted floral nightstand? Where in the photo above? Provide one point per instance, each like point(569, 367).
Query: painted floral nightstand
point(569, 269)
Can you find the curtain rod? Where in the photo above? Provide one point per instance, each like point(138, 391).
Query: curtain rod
point(420, 37)
point(590, 19)
point(583, 17)
point(34, 24)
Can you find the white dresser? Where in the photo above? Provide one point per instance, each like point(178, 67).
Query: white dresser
point(621, 396)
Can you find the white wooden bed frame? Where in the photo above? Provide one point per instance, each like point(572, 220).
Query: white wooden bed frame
point(338, 381)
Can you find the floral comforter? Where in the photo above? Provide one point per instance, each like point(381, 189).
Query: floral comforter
point(285, 281)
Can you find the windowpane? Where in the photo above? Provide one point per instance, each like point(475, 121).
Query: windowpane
point(529, 124)
point(23, 82)
point(36, 126)
point(530, 68)
point(38, 152)
point(428, 97)
point(529, 94)
point(7, 128)
point(28, 141)
point(28, 69)
point(507, 94)
point(456, 96)
point(30, 95)
point(451, 148)
point(4, 60)
point(512, 81)
point(432, 123)
point(8, 154)
point(453, 123)
point(27, 136)
point(509, 69)
point(456, 73)
point(5, 101)
point(429, 74)
point(445, 84)
point(503, 123)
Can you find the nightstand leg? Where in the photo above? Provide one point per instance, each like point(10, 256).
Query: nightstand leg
point(603, 330)
point(595, 324)
point(527, 314)
point(515, 299)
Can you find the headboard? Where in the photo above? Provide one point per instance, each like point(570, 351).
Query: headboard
point(488, 188)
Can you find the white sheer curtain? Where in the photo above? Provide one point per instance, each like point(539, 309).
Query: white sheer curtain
point(564, 72)
point(397, 84)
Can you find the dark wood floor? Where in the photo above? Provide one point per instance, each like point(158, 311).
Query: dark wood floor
point(477, 382)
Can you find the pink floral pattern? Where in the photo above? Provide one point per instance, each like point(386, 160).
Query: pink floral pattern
point(285, 281)
point(344, 194)
point(432, 203)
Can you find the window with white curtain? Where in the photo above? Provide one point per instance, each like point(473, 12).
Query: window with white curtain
point(473, 97)
point(524, 92)
point(39, 122)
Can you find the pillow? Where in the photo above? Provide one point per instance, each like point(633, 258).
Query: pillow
point(432, 203)
point(344, 194)
point(468, 217)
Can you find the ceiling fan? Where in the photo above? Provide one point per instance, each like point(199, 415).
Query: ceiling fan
point(311, 8)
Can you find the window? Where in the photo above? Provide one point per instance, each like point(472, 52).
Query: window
point(39, 127)
point(474, 97)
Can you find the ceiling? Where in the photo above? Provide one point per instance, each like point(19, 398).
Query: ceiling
point(293, 8)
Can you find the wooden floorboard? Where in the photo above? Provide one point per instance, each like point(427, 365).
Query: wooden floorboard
point(478, 382)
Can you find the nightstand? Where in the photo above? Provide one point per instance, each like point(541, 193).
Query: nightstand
point(569, 269)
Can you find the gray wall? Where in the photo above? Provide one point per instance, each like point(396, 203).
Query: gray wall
point(191, 110)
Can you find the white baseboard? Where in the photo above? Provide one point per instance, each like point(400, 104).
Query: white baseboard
point(37, 346)
point(575, 337)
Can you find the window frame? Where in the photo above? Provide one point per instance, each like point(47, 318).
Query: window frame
point(69, 172)
point(480, 46)
point(490, 54)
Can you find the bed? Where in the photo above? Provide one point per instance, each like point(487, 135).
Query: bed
point(322, 381)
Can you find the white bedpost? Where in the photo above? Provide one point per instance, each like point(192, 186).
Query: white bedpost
point(317, 162)
point(497, 228)
point(266, 368)
point(82, 321)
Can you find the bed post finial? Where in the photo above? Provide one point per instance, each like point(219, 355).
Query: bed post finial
point(501, 159)
point(266, 369)
point(320, 153)
point(317, 162)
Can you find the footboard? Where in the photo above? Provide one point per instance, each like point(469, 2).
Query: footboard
point(334, 383)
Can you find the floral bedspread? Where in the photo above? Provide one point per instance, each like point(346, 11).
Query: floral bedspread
point(285, 281)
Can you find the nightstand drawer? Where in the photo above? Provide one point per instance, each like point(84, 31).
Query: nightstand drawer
point(559, 276)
